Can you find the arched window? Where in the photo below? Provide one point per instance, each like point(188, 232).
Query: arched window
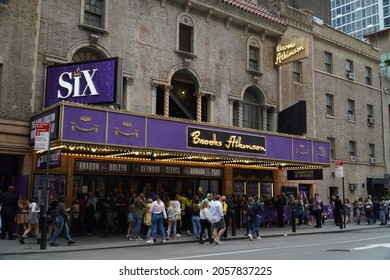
point(185, 34)
point(253, 54)
point(86, 54)
point(251, 110)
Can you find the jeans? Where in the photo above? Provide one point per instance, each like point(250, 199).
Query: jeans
point(172, 225)
point(60, 222)
point(196, 226)
point(136, 227)
point(254, 225)
point(158, 222)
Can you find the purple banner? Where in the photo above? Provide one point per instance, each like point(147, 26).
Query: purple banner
point(55, 159)
point(84, 125)
point(87, 82)
point(126, 130)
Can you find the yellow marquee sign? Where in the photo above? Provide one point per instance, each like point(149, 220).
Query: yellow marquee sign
point(296, 50)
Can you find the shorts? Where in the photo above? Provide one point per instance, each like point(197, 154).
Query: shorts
point(130, 217)
point(220, 224)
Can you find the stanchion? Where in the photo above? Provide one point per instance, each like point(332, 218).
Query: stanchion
point(293, 220)
point(234, 223)
point(340, 219)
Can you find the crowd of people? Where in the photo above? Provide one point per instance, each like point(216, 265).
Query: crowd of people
point(148, 216)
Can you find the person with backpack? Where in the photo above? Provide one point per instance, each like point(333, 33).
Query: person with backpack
point(253, 213)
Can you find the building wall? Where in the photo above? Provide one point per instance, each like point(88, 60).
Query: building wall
point(317, 83)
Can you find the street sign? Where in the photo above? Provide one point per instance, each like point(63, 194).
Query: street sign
point(339, 169)
point(42, 136)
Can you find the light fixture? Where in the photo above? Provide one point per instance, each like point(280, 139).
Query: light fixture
point(183, 92)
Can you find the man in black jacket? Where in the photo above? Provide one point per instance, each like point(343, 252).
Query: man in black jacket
point(9, 209)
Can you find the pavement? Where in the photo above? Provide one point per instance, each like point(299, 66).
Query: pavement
point(97, 241)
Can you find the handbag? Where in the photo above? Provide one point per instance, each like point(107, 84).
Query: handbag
point(178, 216)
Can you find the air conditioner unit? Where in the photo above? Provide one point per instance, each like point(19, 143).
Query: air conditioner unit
point(351, 76)
point(352, 158)
point(371, 120)
point(372, 160)
point(351, 117)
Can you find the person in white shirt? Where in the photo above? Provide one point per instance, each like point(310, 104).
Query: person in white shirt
point(217, 219)
point(33, 221)
point(205, 222)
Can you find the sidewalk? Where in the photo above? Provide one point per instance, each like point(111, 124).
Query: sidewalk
point(8, 247)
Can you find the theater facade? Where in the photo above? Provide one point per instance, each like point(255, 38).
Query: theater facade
point(95, 148)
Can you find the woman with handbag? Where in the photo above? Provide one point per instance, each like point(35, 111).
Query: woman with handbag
point(33, 221)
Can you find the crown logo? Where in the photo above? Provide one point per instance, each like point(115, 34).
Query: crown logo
point(77, 73)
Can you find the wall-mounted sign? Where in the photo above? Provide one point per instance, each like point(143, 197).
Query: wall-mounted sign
point(91, 82)
point(157, 169)
point(55, 159)
point(102, 167)
point(202, 172)
point(309, 174)
point(292, 51)
point(218, 140)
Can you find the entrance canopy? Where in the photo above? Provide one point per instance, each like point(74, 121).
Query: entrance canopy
point(88, 130)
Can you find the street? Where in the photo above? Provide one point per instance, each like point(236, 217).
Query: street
point(368, 244)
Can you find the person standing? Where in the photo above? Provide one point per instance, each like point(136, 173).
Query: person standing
point(205, 221)
point(157, 209)
point(195, 217)
point(338, 210)
point(317, 209)
point(218, 220)
point(138, 213)
point(61, 223)
point(280, 209)
point(9, 209)
point(33, 222)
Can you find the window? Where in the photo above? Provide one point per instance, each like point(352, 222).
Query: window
point(332, 147)
point(329, 105)
point(351, 110)
point(5, 2)
point(370, 111)
point(352, 149)
point(328, 62)
point(251, 110)
point(93, 13)
point(371, 151)
point(349, 66)
point(297, 72)
point(185, 34)
point(368, 76)
point(253, 55)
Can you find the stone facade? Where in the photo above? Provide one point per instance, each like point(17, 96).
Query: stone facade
point(317, 83)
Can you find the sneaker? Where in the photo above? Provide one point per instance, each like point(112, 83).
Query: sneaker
point(130, 238)
point(139, 239)
point(150, 241)
point(163, 241)
point(70, 242)
point(53, 244)
point(177, 235)
point(250, 236)
point(217, 241)
point(258, 238)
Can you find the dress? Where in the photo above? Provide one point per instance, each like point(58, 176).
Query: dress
point(22, 216)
